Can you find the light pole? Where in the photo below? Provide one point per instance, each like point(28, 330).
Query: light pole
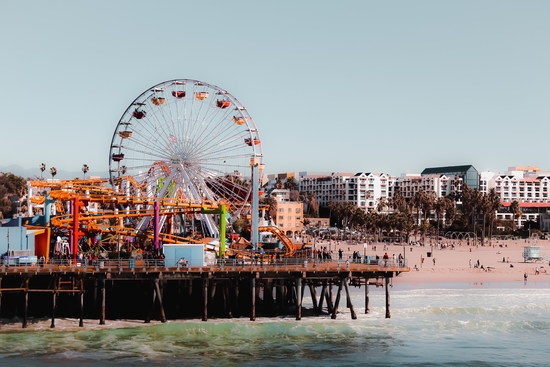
point(85, 170)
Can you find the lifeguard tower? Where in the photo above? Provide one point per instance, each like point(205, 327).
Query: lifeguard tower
point(531, 253)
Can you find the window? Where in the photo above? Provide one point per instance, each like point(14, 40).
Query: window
point(281, 217)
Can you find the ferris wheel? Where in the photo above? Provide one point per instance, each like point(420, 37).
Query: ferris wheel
point(188, 139)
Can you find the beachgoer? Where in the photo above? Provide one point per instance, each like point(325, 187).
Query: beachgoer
point(525, 276)
point(470, 262)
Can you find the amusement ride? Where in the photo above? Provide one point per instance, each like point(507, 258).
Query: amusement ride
point(185, 159)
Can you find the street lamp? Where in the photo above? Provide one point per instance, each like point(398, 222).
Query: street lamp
point(85, 169)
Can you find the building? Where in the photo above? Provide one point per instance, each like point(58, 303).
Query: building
point(442, 185)
point(270, 180)
point(362, 189)
point(467, 173)
point(290, 214)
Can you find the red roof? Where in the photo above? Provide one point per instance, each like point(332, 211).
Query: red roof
point(528, 205)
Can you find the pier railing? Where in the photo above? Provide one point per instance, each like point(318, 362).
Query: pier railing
point(109, 265)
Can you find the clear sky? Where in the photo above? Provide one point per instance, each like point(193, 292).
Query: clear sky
point(348, 86)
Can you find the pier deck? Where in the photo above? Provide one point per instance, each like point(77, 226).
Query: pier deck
point(153, 290)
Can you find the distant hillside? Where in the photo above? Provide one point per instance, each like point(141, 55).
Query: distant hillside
point(27, 173)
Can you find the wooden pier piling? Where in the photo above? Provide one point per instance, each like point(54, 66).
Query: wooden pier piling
point(387, 278)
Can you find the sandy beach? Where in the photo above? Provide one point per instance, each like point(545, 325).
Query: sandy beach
point(502, 261)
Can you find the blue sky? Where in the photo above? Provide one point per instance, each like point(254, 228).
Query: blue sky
point(348, 86)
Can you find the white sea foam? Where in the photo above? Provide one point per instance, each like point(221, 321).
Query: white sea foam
point(438, 326)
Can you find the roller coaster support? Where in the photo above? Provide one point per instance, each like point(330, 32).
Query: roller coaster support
point(222, 211)
point(47, 209)
point(77, 204)
point(156, 220)
point(254, 233)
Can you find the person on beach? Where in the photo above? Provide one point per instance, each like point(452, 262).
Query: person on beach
point(470, 262)
point(525, 276)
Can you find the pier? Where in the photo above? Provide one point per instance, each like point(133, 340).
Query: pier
point(149, 290)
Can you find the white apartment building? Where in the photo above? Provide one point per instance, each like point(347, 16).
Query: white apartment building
point(441, 184)
point(361, 189)
point(524, 184)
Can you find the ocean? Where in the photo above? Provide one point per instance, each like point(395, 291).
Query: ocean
point(431, 324)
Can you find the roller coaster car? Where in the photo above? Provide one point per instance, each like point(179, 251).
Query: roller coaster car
point(238, 120)
point(201, 95)
point(139, 114)
point(117, 157)
point(157, 101)
point(223, 103)
point(251, 142)
point(178, 93)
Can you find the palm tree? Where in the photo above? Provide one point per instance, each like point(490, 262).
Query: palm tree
point(85, 169)
point(484, 209)
point(290, 184)
point(53, 172)
point(398, 201)
point(516, 212)
point(382, 204)
point(428, 204)
point(440, 206)
point(42, 169)
point(451, 212)
point(313, 205)
point(494, 204)
point(279, 184)
point(417, 201)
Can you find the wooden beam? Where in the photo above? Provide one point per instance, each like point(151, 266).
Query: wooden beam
point(348, 300)
point(367, 305)
point(387, 297)
point(81, 322)
point(299, 294)
point(54, 303)
point(253, 300)
point(335, 308)
point(26, 307)
point(313, 292)
point(204, 298)
point(159, 297)
point(102, 315)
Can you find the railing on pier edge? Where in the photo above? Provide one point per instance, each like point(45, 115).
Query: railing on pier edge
point(286, 264)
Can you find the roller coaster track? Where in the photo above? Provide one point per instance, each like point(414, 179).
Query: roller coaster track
point(280, 234)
